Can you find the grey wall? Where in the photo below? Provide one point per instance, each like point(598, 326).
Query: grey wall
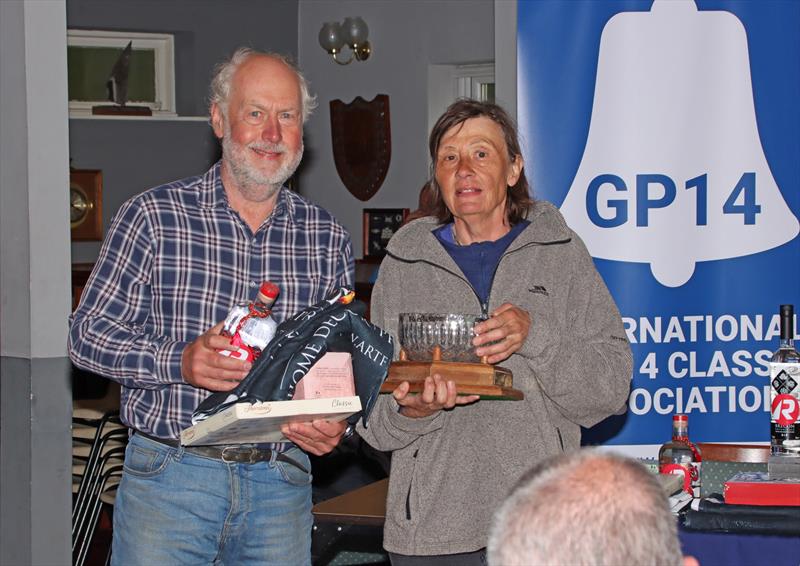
point(505, 54)
point(14, 228)
point(205, 32)
point(34, 222)
point(135, 155)
point(407, 36)
point(35, 407)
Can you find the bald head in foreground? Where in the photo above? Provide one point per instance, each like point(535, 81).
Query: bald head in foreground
point(586, 508)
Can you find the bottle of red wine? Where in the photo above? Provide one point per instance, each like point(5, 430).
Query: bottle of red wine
point(250, 326)
point(784, 377)
point(681, 456)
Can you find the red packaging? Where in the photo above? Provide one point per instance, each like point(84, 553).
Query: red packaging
point(755, 488)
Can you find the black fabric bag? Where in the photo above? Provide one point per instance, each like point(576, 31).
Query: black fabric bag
point(332, 325)
point(714, 515)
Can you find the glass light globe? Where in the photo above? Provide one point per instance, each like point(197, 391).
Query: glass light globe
point(355, 31)
point(331, 37)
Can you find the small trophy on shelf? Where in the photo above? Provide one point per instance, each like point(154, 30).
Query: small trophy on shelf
point(117, 85)
point(442, 343)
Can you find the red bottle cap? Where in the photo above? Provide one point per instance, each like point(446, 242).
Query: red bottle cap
point(680, 417)
point(269, 290)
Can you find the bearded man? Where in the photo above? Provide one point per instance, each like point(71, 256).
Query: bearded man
point(175, 259)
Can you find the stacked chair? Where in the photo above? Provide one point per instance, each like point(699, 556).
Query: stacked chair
point(98, 448)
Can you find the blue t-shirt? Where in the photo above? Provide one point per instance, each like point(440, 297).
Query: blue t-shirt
point(478, 261)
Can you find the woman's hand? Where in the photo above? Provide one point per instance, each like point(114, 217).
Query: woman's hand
point(436, 395)
point(503, 333)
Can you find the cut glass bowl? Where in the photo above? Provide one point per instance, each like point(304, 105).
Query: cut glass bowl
point(420, 333)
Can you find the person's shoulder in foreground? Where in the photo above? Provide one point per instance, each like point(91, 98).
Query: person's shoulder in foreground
point(586, 507)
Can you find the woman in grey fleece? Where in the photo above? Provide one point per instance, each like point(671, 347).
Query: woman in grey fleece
point(486, 248)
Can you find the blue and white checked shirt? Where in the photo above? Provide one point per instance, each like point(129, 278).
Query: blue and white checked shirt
point(175, 260)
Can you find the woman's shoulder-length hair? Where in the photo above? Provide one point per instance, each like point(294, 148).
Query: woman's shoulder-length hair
point(519, 199)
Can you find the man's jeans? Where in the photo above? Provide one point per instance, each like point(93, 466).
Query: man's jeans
point(173, 507)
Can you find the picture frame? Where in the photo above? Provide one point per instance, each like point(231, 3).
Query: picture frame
point(380, 224)
point(91, 55)
point(86, 204)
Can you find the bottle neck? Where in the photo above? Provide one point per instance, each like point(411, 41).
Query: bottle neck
point(680, 430)
point(787, 323)
point(787, 344)
point(262, 306)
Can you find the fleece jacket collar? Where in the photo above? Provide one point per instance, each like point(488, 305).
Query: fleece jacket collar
point(416, 241)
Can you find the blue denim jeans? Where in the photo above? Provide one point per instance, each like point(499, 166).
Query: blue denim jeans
point(174, 507)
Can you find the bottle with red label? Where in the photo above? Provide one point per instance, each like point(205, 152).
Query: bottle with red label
point(784, 376)
point(250, 326)
point(681, 456)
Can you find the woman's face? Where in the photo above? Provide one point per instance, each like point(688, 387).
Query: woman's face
point(473, 171)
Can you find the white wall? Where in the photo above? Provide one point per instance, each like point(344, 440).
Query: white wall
point(406, 37)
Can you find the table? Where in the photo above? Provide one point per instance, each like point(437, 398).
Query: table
point(735, 549)
point(348, 529)
point(363, 506)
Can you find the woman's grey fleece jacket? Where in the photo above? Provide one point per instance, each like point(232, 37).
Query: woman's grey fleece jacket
point(451, 471)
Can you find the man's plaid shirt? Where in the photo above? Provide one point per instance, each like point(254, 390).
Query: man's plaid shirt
point(175, 260)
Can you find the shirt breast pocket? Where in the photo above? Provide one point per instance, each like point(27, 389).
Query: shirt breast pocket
point(303, 291)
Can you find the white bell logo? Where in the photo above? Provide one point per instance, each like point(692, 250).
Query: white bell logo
point(673, 171)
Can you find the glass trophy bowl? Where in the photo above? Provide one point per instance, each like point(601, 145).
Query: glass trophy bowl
point(441, 343)
point(422, 333)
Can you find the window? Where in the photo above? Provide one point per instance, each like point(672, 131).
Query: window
point(448, 82)
point(91, 55)
point(476, 81)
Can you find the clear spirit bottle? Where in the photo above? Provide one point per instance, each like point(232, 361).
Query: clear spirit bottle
point(784, 376)
point(250, 326)
point(681, 456)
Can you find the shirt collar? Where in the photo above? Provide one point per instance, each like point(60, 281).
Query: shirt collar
point(212, 194)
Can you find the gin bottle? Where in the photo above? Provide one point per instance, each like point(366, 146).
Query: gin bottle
point(784, 377)
point(250, 326)
point(681, 456)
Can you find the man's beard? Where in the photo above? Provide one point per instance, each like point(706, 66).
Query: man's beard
point(254, 184)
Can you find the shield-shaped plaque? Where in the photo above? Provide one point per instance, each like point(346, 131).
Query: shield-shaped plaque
point(362, 143)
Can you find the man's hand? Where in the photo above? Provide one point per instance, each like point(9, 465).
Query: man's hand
point(502, 334)
point(317, 437)
point(203, 366)
point(436, 395)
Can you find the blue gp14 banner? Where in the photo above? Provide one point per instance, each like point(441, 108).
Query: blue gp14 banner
point(668, 133)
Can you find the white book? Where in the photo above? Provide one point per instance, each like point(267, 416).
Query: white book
point(246, 423)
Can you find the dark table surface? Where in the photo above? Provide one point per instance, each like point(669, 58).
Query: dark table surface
point(734, 549)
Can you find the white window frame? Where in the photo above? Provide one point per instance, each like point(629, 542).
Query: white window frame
point(162, 44)
point(448, 82)
point(471, 78)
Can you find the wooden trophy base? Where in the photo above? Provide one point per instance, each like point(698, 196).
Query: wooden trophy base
point(486, 380)
point(120, 110)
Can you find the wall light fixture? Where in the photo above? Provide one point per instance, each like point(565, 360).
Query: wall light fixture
point(352, 32)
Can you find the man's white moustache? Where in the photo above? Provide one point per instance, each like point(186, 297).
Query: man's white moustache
point(268, 147)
